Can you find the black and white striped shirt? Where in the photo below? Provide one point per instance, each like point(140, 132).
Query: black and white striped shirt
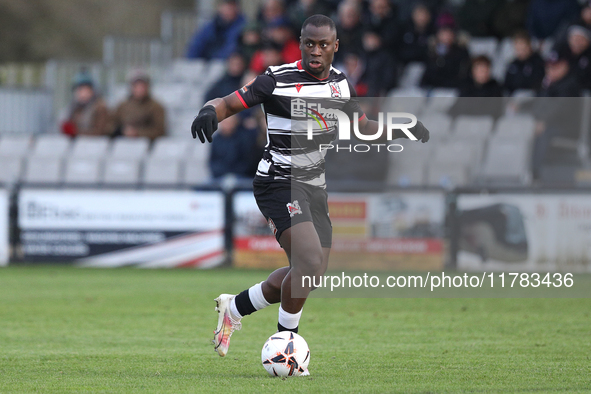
point(289, 155)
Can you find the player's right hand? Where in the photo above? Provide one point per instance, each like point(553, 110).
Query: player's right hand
point(205, 124)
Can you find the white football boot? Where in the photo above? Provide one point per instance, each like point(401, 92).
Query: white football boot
point(226, 324)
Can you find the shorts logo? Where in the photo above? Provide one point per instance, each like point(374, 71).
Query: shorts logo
point(335, 90)
point(294, 208)
point(272, 226)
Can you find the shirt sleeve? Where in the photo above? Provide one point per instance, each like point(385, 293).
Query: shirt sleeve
point(352, 106)
point(257, 91)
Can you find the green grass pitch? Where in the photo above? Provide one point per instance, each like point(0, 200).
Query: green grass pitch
point(66, 330)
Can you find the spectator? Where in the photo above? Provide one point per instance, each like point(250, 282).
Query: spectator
point(354, 69)
point(414, 41)
point(268, 55)
point(527, 70)
point(544, 16)
point(583, 20)
point(219, 38)
point(302, 9)
point(88, 113)
point(232, 149)
point(382, 20)
point(279, 32)
point(140, 115)
point(579, 54)
point(380, 66)
point(556, 116)
point(231, 81)
point(509, 18)
point(349, 30)
point(448, 62)
point(272, 10)
point(476, 16)
point(250, 41)
point(481, 84)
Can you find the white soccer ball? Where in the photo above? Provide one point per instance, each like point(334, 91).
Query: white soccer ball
point(285, 354)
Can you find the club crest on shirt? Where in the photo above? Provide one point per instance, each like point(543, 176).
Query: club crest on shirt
point(245, 87)
point(294, 208)
point(335, 90)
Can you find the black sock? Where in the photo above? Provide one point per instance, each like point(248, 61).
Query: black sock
point(281, 328)
point(244, 305)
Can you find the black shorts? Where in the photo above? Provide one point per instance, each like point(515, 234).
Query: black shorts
point(285, 204)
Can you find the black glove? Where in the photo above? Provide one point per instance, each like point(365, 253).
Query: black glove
point(205, 124)
point(420, 132)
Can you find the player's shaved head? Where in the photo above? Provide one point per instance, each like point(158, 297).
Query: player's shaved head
point(319, 20)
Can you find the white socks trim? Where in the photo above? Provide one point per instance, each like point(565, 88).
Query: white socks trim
point(289, 320)
point(255, 293)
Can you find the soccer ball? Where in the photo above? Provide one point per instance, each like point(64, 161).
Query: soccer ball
point(285, 354)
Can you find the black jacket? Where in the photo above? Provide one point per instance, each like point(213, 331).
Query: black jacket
point(525, 74)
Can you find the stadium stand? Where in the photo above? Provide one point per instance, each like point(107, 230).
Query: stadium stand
point(121, 172)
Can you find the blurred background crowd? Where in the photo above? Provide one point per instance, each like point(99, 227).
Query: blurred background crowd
point(432, 49)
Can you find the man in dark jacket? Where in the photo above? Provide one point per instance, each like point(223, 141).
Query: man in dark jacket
point(545, 16)
point(579, 54)
point(349, 30)
point(219, 38)
point(414, 38)
point(557, 111)
point(140, 115)
point(448, 61)
point(233, 150)
point(231, 81)
point(527, 70)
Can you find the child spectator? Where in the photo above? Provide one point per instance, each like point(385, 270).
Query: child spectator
point(527, 70)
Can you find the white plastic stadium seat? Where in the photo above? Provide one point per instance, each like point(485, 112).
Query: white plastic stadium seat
point(406, 173)
point(171, 148)
point(162, 172)
point(468, 153)
point(216, 70)
point(199, 152)
point(14, 146)
point(512, 128)
point(53, 145)
point(507, 162)
point(172, 95)
point(412, 75)
point(196, 172)
point(447, 175)
point(188, 71)
point(10, 169)
point(83, 171)
point(441, 100)
point(43, 170)
point(181, 125)
point(438, 124)
point(469, 127)
point(122, 172)
point(130, 148)
point(90, 147)
point(483, 46)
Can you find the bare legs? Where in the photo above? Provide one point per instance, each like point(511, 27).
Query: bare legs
point(306, 258)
